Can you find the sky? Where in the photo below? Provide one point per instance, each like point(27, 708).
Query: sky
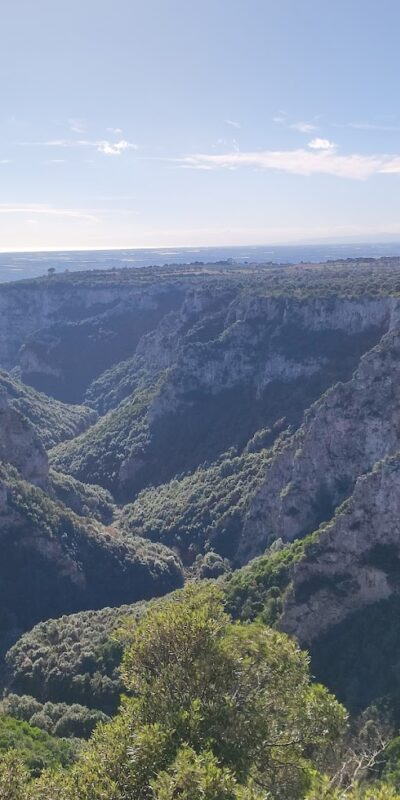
point(198, 122)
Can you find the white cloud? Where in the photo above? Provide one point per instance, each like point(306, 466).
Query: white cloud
point(115, 131)
point(115, 148)
point(49, 211)
point(280, 118)
point(303, 127)
point(321, 144)
point(232, 123)
point(300, 162)
point(5, 161)
point(77, 125)
point(101, 145)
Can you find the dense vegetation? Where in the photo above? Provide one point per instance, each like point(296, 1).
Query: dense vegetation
point(216, 706)
point(257, 591)
point(201, 510)
point(53, 421)
point(59, 719)
point(36, 749)
point(55, 562)
point(122, 450)
point(219, 711)
point(73, 659)
point(82, 498)
point(201, 376)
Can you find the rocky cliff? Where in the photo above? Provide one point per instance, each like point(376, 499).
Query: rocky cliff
point(20, 445)
point(33, 307)
point(207, 379)
point(355, 561)
point(232, 408)
point(344, 434)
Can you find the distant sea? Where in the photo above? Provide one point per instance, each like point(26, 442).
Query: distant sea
point(14, 266)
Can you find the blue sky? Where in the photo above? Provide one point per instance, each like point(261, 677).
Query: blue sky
point(198, 122)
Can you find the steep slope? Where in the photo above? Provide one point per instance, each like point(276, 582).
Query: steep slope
point(242, 503)
point(54, 562)
point(71, 659)
point(20, 444)
point(63, 358)
point(344, 434)
point(53, 421)
point(201, 511)
point(82, 498)
point(269, 358)
point(355, 560)
point(31, 306)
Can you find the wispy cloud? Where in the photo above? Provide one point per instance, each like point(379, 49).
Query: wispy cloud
point(77, 125)
point(37, 210)
point(48, 211)
point(300, 162)
point(101, 145)
point(321, 144)
point(232, 123)
point(303, 127)
point(5, 161)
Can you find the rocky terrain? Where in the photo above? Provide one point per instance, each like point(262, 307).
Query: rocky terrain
point(197, 422)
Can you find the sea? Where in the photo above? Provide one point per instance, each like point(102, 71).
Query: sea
point(15, 266)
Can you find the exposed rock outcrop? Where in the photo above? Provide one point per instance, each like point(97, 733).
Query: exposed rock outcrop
point(355, 561)
point(206, 383)
point(344, 434)
point(20, 445)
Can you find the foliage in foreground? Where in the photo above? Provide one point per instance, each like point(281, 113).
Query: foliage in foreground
point(37, 750)
point(219, 710)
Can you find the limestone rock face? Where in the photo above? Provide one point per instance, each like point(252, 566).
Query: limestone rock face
point(48, 325)
point(262, 340)
point(344, 434)
point(20, 445)
point(232, 354)
point(356, 560)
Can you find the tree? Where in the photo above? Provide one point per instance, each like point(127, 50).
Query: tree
point(241, 692)
point(13, 777)
point(199, 776)
point(219, 711)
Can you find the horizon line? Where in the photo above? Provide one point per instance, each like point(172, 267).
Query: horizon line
point(120, 248)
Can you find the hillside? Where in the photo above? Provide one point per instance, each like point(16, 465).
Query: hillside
point(264, 355)
point(199, 422)
point(53, 421)
point(54, 561)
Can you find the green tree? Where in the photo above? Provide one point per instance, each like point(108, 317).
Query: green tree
point(241, 692)
point(219, 711)
point(13, 777)
point(195, 775)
